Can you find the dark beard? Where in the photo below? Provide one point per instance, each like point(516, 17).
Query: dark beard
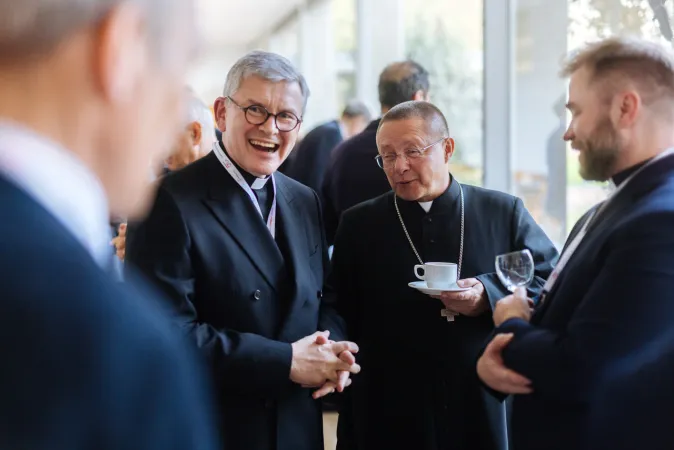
point(600, 152)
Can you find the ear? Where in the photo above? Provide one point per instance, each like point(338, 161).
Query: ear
point(449, 149)
point(120, 50)
point(626, 107)
point(220, 113)
point(419, 96)
point(195, 133)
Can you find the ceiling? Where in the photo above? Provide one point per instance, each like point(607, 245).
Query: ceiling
point(239, 22)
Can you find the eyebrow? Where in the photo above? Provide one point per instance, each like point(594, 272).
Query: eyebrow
point(256, 102)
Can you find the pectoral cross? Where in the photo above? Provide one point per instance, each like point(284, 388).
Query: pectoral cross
point(450, 315)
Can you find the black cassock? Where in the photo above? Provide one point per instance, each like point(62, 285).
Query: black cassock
point(418, 388)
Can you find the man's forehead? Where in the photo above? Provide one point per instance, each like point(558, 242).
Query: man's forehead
point(395, 131)
point(265, 91)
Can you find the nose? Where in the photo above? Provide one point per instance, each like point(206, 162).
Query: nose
point(269, 126)
point(401, 164)
point(569, 134)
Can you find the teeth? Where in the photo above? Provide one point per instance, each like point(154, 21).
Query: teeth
point(263, 144)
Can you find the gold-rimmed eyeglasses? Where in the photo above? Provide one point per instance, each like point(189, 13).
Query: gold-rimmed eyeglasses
point(388, 160)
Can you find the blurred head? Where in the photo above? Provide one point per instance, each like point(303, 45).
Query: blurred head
point(261, 111)
point(355, 117)
point(621, 97)
point(414, 150)
point(197, 137)
point(108, 76)
point(401, 82)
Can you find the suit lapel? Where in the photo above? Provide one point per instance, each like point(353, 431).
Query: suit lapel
point(642, 184)
point(233, 209)
point(294, 229)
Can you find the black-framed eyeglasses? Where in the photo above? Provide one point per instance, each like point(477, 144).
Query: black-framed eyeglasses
point(257, 115)
point(388, 160)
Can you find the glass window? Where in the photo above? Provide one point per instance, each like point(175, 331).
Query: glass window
point(544, 168)
point(345, 38)
point(445, 36)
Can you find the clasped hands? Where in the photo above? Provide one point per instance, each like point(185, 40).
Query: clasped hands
point(321, 363)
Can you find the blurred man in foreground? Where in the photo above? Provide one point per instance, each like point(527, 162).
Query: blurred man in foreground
point(91, 91)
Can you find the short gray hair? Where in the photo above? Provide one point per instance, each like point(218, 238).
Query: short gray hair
point(356, 108)
point(197, 111)
point(268, 66)
point(30, 28)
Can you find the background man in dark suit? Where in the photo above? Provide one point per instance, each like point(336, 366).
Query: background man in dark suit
point(88, 363)
point(240, 250)
point(429, 216)
point(612, 291)
point(309, 161)
point(352, 175)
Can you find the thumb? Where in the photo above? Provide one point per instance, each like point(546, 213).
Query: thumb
point(499, 342)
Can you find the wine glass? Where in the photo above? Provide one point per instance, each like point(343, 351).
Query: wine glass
point(515, 269)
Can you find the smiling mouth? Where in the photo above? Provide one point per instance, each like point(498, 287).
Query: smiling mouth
point(262, 146)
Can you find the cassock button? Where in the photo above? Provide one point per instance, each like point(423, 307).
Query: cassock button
point(268, 404)
point(429, 219)
point(257, 295)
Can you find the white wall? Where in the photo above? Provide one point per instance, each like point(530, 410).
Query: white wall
point(208, 74)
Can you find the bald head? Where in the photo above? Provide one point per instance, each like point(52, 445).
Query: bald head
point(401, 82)
point(435, 121)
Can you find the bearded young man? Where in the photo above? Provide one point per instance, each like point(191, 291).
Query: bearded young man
point(612, 291)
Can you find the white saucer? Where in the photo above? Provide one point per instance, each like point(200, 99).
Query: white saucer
point(421, 286)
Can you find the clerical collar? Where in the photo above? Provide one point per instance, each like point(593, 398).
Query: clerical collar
point(426, 205)
point(621, 176)
point(446, 198)
point(253, 181)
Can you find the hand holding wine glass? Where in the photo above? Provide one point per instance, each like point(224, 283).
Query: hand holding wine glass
point(515, 270)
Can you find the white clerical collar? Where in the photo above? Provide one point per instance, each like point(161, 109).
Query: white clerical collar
point(61, 183)
point(259, 183)
point(426, 205)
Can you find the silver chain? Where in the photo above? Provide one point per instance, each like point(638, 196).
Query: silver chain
point(409, 239)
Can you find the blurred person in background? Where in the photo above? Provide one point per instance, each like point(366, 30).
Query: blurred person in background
point(309, 161)
point(193, 142)
point(352, 175)
point(91, 90)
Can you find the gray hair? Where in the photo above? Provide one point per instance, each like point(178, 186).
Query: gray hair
point(197, 111)
point(268, 66)
point(356, 108)
point(30, 28)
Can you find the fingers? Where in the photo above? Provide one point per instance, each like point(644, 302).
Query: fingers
point(343, 381)
point(327, 388)
point(468, 282)
point(347, 357)
point(343, 346)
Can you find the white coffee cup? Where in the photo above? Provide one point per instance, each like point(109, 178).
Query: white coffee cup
point(437, 275)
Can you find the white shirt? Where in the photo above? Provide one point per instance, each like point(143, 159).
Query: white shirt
point(426, 205)
point(61, 183)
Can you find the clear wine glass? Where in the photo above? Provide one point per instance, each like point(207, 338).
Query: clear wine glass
point(515, 269)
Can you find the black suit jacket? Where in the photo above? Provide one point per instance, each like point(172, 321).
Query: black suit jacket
point(87, 363)
point(615, 295)
point(242, 297)
point(353, 176)
point(309, 160)
point(634, 405)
